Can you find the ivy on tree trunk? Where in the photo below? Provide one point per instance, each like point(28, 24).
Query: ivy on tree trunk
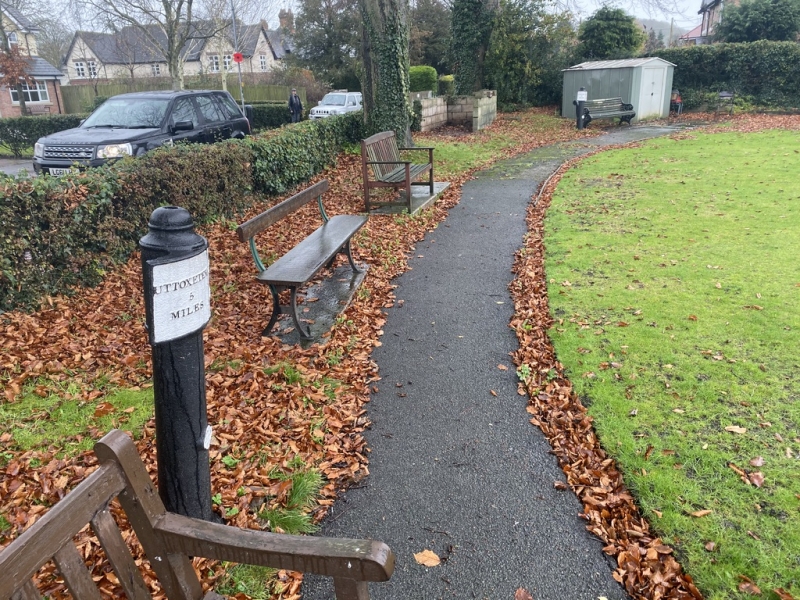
point(385, 36)
point(471, 28)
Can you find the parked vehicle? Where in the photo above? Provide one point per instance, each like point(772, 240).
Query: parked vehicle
point(132, 124)
point(336, 103)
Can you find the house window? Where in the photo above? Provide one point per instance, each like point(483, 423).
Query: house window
point(228, 62)
point(80, 70)
point(13, 40)
point(263, 60)
point(214, 63)
point(34, 93)
point(155, 69)
point(92, 68)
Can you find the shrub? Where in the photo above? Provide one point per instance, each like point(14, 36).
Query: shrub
point(20, 133)
point(300, 151)
point(422, 79)
point(768, 73)
point(270, 116)
point(416, 115)
point(447, 86)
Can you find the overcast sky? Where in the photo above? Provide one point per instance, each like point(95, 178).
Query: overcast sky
point(685, 16)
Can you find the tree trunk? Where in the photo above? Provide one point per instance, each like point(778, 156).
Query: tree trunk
point(385, 52)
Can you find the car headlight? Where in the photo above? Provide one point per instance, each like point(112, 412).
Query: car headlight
point(38, 150)
point(114, 151)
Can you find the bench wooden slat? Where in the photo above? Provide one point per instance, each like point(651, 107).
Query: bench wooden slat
point(306, 259)
point(106, 530)
point(57, 528)
point(270, 216)
point(333, 557)
point(399, 175)
point(28, 591)
point(77, 577)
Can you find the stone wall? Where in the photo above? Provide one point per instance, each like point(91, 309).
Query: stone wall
point(484, 109)
point(476, 111)
point(434, 113)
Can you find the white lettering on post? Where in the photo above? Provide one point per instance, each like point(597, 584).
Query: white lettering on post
point(181, 298)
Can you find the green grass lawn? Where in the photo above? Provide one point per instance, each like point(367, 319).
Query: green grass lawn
point(674, 280)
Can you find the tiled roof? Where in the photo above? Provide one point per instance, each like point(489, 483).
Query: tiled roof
point(21, 20)
point(39, 68)
point(281, 43)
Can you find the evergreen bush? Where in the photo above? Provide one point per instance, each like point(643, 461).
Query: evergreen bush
point(447, 85)
point(19, 134)
point(422, 79)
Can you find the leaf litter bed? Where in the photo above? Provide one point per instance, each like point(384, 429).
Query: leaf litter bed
point(274, 405)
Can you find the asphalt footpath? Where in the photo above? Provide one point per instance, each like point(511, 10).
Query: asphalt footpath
point(455, 465)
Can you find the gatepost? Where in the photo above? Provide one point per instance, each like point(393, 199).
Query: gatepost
point(177, 295)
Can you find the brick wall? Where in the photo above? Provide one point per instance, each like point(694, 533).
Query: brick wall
point(55, 104)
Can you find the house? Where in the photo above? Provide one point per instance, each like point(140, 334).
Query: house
point(693, 37)
point(128, 54)
point(44, 94)
point(711, 10)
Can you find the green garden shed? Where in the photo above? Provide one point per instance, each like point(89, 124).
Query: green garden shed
point(644, 82)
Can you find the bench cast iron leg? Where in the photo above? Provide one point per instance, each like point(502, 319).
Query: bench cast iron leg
point(276, 310)
point(350, 257)
point(306, 335)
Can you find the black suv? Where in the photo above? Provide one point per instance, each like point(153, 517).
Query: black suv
point(132, 124)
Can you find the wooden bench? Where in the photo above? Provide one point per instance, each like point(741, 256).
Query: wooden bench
point(38, 109)
point(298, 266)
point(607, 108)
point(381, 156)
point(168, 540)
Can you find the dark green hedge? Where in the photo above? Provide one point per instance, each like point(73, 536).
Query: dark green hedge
point(270, 116)
point(21, 133)
point(766, 73)
point(62, 233)
point(300, 151)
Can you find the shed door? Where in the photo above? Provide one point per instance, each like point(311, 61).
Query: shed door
point(652, 93)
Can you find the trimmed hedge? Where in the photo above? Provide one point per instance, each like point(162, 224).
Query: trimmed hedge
point(270, 116)
point(59, 233)
point(767, 73)
point(21, 133)
point(298, 152)
point(422, 79)
point(447, 85)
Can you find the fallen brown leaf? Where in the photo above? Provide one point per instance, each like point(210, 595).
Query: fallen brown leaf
point(522, 594)
point(427, 558)
point(701, 513)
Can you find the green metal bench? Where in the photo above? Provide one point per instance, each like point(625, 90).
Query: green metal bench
point(298, 266)
point(607, 108)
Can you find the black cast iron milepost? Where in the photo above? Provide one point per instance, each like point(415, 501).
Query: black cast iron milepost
point(177, 295)
point(579, 103)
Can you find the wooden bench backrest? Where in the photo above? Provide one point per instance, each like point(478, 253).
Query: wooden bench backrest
point(381, 147)
point(247, 230)
point(51, 537)
point(604, 104)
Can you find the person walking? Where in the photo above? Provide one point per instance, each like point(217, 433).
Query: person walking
point(295, 106)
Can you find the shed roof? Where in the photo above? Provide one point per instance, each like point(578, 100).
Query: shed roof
point(616, 64)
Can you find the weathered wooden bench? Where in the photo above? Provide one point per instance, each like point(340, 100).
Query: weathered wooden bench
point(607, 108)
point(168, 540)
point(298, 266)
point(38, 109)
point(383, 167)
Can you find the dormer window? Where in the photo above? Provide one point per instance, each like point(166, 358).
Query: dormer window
point(13, 40)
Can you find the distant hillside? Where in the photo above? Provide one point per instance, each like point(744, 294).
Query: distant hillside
point(662, 27)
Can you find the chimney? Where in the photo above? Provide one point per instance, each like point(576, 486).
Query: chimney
point(286, 19)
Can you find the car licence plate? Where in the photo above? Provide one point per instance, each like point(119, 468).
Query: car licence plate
point(53, 171)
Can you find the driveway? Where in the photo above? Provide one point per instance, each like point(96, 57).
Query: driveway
point(16, 166)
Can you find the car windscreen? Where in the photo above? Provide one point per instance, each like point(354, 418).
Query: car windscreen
point(130, 113)
point(333, 100)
